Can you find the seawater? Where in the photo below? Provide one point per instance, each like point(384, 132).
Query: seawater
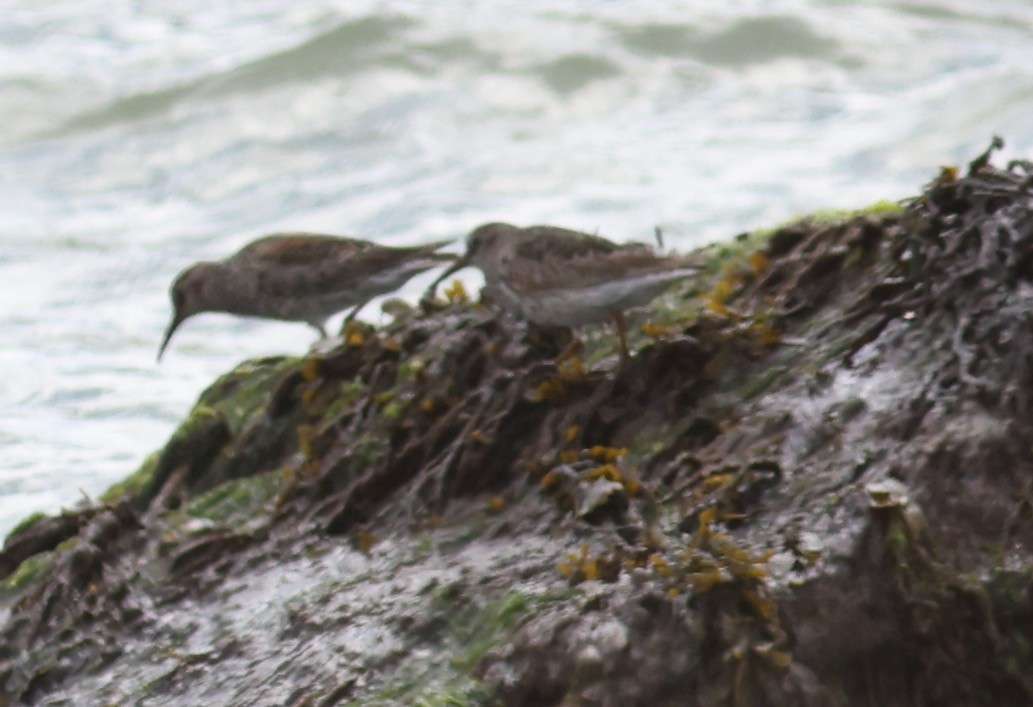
point(140, 136)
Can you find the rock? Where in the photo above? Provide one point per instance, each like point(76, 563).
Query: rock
point(809, 486)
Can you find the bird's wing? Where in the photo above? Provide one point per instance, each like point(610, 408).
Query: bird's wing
point(301, 248)
point(314, 265)
point(590, 269)
point(379, 258)
point(552, 258)
point(541, 243)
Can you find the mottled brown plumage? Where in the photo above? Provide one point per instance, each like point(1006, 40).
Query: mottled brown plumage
point(302, 277)
point(555, 276)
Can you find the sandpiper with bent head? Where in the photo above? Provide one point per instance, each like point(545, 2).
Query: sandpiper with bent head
point(303, 277)
point(555, 276)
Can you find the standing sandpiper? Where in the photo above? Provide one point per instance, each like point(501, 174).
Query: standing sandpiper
point(303, 277)
point(555, 276)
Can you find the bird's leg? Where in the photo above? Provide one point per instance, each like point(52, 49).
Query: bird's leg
point(571, 350)
point(622, 328)
point(351, 330)
point(355, 310)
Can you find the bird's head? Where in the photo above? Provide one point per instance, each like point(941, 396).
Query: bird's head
point(189, 293)
point(485, 242)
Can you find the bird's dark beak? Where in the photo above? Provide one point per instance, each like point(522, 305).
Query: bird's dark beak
point(458, 265)
point(177, 319)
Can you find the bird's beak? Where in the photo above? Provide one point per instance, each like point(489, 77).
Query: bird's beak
point(177, 319)
point(458, 265)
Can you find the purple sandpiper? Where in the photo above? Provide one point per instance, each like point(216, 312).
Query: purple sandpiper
point(303, 277)
point(557, 277)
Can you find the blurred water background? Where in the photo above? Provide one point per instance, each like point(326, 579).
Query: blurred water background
point(139, 136)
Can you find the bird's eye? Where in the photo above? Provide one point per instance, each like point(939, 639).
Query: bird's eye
point(178, 299)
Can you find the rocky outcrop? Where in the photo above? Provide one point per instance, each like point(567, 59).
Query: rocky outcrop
point(811, 485)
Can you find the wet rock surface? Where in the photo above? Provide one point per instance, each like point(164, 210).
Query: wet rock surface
point(811, 485)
